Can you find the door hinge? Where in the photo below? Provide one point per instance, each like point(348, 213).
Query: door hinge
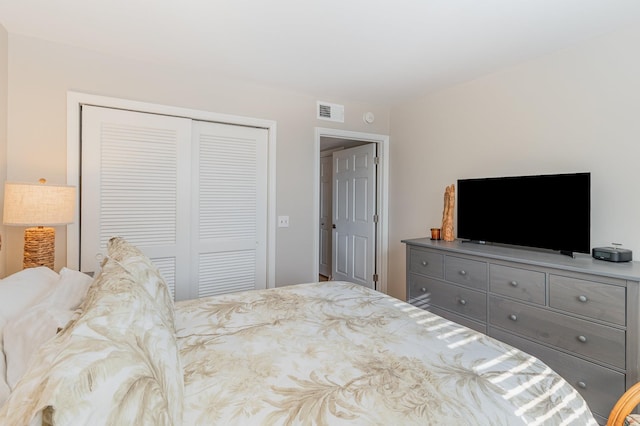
point(375, 278)
point(376, 160)
point(375, 218)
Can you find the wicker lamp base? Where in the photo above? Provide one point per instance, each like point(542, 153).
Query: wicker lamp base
point(39, 247)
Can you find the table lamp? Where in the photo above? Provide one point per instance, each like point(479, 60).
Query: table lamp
point(38, 206)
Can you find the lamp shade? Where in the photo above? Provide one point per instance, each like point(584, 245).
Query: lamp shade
point(27, 204)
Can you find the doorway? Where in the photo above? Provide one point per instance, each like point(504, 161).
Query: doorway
point(328, 141)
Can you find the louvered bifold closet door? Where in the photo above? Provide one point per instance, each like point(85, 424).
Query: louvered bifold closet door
point(229, 216)
point(136, 184)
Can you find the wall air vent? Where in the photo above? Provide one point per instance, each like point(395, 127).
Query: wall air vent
point(330, 112)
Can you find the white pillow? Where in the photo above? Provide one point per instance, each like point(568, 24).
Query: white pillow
point(4, 387)
point(24, 334)
point(70, 291)
point(18, 292)
point(24, 289)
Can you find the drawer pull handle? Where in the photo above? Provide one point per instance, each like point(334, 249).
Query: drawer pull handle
point(424, 263)
point(582, 385)
point(462, 302)
point(423, 289)
point(514, 283)
point(463, 272)
point(583, 339)
point(513, 317)
point(583, 298)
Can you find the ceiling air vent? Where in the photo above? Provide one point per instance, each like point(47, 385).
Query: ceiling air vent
point(330, 112)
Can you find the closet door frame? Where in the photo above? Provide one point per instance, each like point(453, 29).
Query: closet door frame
point(75, 100)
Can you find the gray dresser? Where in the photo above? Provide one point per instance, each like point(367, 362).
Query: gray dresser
point(578, 315)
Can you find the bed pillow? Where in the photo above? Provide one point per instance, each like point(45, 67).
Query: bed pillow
point(4, 387)
point(24, 334)
point(143, 272)
point(116, 362)
point(18, 292)
point(24, 289)
point(71, 289)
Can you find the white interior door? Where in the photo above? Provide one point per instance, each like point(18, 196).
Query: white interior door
point(136, 185)
point(354, 208)
point(326, 202)
point(229, 213)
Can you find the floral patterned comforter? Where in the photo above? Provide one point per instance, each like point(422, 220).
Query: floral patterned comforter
point(337, 353)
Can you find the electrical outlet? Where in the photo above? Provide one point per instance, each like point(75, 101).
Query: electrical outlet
point(283, 221)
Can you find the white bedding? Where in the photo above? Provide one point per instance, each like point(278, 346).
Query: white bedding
point(338, 353)
point(329, 353)
point(34, 303)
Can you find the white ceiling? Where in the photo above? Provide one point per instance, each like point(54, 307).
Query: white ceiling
point(376, 50)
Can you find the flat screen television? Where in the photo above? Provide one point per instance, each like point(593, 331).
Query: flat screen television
point(543, 211)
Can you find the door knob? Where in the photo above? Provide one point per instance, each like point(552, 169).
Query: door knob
point(333, 226)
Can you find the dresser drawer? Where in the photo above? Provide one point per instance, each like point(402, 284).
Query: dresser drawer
point(518, 283)
point(598, 385)
point(426, 263)
point(419, 293)
point(460, 300)
point(592, 299)
point(598, 342)
point(467, 272)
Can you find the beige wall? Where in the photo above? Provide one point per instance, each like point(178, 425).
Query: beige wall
point(40, 73)
point(4, 58)
point(575, 110)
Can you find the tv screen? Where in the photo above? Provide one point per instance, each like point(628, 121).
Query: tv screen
point(544, 211)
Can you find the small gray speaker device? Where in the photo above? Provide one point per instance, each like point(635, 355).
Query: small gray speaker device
point(611, 254)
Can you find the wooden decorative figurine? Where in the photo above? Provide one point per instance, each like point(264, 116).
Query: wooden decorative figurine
point(447, 214)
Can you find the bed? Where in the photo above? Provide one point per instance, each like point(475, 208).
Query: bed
point(330, 353)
